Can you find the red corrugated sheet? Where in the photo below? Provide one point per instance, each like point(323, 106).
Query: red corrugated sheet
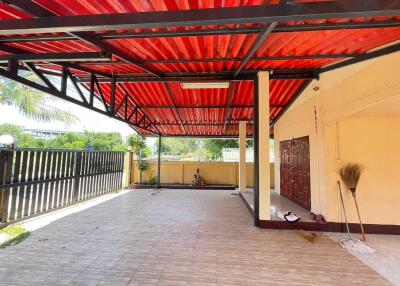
point(212, 54)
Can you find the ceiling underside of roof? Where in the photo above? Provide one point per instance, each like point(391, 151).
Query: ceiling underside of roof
point(139, 78)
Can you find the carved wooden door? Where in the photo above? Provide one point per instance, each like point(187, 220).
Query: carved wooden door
point(295, 171)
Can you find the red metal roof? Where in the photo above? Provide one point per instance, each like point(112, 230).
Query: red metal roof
point(202, 54)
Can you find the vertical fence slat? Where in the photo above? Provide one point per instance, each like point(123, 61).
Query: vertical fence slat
point(15, 179)
point(77, 173)
point(29, 188)
point(36, 187)
point(6, 176)
point(22, 189)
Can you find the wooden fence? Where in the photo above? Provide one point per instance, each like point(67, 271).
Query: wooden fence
point(33, 181)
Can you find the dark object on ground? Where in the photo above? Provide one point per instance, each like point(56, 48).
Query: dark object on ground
point(319, 218)
point(306, 235)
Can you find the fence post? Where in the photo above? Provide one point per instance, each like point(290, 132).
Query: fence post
point(77, 174)
point(6, 158)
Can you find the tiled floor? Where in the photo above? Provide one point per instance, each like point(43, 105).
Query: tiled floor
point(175, 237)
point(280, 203)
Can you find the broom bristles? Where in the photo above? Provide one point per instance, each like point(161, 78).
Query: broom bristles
point(350, 174)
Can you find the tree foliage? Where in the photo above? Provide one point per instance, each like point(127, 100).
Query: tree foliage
point(214, 147)
point(31, 103)
point(104, 141)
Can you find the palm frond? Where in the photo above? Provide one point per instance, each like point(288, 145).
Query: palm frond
point(350, 175)
point(33, 104)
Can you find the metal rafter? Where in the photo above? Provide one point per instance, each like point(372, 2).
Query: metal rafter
point(223, 60)
point(61, 94)
point(136, 108)
point(212, 76)
point(57, 57)
point(197, 17)
point(174, 104)
point(196, 123)
point(264, 33)
point(206, 106)
point(370, 55)
point(208, 32)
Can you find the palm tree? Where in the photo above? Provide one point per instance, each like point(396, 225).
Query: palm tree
point(32, 103)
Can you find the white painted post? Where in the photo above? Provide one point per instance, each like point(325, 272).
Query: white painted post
point(242, 156)
point(263, 152)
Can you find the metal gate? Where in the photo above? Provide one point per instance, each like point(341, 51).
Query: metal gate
point(33, 181)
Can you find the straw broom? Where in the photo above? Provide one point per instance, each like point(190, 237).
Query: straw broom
point(350, 175)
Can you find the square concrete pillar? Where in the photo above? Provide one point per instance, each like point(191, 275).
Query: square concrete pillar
point(242, 156)
point(261, 149)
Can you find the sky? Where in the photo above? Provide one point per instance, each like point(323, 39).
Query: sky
point(88, 120)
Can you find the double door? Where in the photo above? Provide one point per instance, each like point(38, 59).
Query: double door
point(295, 171)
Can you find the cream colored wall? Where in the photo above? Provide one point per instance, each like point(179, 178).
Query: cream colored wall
point(211, 172)
point(373, 142)
point(328, 103)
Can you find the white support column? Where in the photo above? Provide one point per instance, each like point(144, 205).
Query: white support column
point(242, 156)
point(263, 146)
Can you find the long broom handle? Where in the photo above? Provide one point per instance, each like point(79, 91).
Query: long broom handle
point(359, 217)
point(344, 210)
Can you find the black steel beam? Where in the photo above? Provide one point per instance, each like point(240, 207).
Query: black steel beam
point(13, 66)
point(371, 55)
point(197, 123)
point(36, 71)
point(205, 106)
point(137, 108)
point(57, 57)
point(230, 98)
point(171, 97)
point(201, 17)
point(224, 60)
point(208, 32)
point(252, 59)
point(59, 94)
point(215, 136)
point(264, 33)
point(18, 51)
point(217, 76)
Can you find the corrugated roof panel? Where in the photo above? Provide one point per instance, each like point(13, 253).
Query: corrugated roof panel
point(326, 42)
point(171, 129)
point(162, 115)
point(56, 47)
point(203, 115)
point(234, 65)
point(182, 97)
point(148, 93)
point(219, 46)
point(9, 13)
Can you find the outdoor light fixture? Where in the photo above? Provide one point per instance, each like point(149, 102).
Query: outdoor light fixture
point(6, 140)
point(203, 85)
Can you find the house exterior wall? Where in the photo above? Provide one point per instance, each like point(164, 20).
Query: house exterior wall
point(182, 172)
point(327, 113)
